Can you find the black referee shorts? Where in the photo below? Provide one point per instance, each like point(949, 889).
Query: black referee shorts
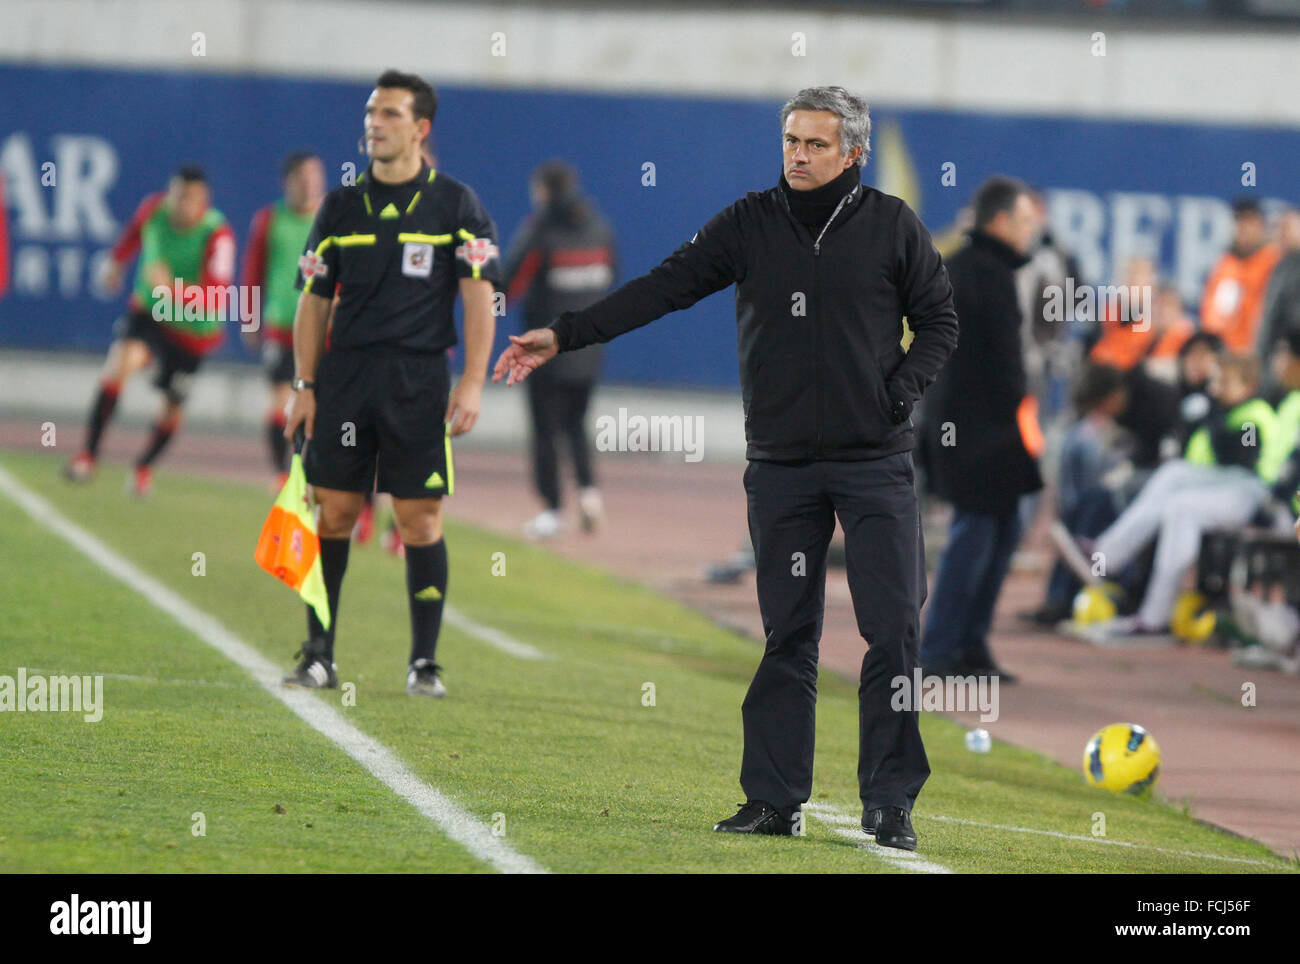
point(176, 366)
point(379, 411)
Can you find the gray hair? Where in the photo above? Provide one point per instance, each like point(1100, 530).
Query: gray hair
point(855, 118)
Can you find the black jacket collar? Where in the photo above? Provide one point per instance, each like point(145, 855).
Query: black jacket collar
point(999, 249)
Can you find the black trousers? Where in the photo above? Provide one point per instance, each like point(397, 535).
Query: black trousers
point(792, 511)
point(559, 411)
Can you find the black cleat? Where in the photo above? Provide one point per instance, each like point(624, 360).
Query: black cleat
point(314, 671)
point(755, 816)
point(892, 827)
point(423, 679)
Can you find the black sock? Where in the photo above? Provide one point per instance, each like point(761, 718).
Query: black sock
point(333, 564)
point(279, 444)
point(100, 413)
point(163, 430)
point(426, 587)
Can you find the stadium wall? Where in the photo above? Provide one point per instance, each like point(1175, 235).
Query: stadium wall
point(667, 129)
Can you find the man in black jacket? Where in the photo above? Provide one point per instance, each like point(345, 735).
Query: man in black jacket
point(976, 452)
point(825, 269)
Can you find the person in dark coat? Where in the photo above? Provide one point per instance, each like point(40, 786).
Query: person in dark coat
point(563, 258)
point(979, 459)
point(825, 270)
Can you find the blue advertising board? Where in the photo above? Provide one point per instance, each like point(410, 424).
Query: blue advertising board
point(79, 148)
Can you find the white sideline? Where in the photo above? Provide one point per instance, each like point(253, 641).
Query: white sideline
point(840, 819)
point(456, 822)
point(493, 637)
point(840, 822)
point(1102, 840)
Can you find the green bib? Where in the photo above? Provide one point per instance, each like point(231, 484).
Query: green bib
point(182, 252)
point(286, 239)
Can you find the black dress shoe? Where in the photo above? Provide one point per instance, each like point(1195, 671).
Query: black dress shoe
point(893, 827)
point(755, 816)
point(869, 821)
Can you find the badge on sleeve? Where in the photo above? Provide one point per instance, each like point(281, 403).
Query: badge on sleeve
point(417, 259)
point(312, 266)
point(477, 252)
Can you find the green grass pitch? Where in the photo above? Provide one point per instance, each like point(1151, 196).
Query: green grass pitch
point(561, 755)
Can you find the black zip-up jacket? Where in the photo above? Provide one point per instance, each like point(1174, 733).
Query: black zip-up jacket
point(819, 320)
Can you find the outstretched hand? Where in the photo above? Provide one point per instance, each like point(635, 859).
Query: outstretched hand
point(527, 352)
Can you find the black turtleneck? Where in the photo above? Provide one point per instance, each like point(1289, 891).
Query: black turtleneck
point(813, 208)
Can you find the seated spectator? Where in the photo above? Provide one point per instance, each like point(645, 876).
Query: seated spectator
point(1175, 411)
point(1198, 362)
point(1221, 482)
point(1126, 343)
point(1093, 448)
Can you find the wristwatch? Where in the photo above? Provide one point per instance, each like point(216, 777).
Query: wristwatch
point(301, 383)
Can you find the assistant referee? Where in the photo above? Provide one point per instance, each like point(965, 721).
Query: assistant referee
point(373, 394)
point(825, 269)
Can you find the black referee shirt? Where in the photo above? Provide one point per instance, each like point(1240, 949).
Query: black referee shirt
point(395, 253)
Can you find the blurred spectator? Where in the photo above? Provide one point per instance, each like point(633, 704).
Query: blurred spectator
point(1170, 331)
point(982, 454)
point(1125, 330)
point(1221, 482)
point(1085, 503)
point(1198, 363)
point(276, 240)
point(1129, 337)
point(1167, 416)
point(1051, 355)
point(561, 259)
point(1286, 371)
point(1281, 314)
point(1234, 291)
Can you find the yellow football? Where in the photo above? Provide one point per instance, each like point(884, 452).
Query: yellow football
point(1122, 757)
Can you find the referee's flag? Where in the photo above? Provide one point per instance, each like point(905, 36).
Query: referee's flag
point(289, 548)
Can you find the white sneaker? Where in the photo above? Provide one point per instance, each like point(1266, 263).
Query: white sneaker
point(592, 507)
point(544, 525)
point(1126, 632)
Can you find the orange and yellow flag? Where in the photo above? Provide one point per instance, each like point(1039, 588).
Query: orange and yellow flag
point(289, 548)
